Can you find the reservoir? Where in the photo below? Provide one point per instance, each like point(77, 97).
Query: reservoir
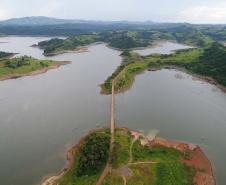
point(42, 116)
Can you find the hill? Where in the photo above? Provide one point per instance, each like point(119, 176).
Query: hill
point(37, 20)
point(42, 20)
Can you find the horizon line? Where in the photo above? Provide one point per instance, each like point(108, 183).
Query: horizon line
point(122, 20)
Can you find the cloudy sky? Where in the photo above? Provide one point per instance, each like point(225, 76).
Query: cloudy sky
point(194, 11)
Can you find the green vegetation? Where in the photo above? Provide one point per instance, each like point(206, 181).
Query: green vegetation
point(191, 36)
point(90, 160)
point(122, 144)
point(209, 61)
point(134, 162)
point(20, 66)
point(142, 174)
point(5, 55)
point(113, 179)
point(124, 74)
point(93, 154)
point(216, 33)
point(157, 165)
point(127, 39)
point(55, 46)
point(212, 63)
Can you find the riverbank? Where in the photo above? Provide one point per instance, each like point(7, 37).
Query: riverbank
point(80, 49)
point(70, 159)
point(77, 50)
point(123, 164)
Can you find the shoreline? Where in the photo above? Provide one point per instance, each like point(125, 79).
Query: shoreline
point(203, 78)
point(80, 49)
point(69, 161)
point(77, 50)
point(34, 73)
point(84, 48)
point(197, 158)
point(199, 178)
point(159, 43)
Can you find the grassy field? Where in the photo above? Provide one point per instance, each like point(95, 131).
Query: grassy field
point(208, 62)
point(149, 166)
point(121, 153)
point(19, 66)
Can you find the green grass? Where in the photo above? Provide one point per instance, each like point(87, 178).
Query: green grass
point(121, 148)
point(174, 173)
point(168, 170)
point(112, 179)
point(143, 174)
point(158, 154)
point(166, 167)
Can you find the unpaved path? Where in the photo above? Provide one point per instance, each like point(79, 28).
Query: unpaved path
point(124, 180)
point(131, 148)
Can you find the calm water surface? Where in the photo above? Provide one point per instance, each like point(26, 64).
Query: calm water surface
point(42, 116)
point(163, 48)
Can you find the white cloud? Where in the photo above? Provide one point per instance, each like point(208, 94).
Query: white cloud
point(4, 14)
point(204, 14)
point(194, 11)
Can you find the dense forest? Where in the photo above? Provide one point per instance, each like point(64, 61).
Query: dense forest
point(212, 63)
point(93, 154)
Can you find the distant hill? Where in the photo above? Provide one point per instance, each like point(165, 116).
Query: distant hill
point(47, 26)
point(41, 20)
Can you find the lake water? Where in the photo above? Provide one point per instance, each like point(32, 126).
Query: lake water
point(42, 116)
point(163, 48)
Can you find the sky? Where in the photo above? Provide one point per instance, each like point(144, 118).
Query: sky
point(193, 11)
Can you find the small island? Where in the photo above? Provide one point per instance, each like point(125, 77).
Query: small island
point(24, 66)
point(136, 159)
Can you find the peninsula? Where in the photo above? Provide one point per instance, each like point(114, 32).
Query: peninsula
point(24, 66)
point(136, 159)
point(209, 63)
